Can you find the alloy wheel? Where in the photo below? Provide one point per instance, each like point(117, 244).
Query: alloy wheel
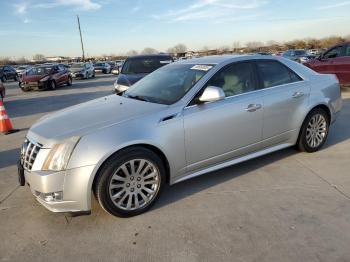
point(134, 185)
point(316, 130)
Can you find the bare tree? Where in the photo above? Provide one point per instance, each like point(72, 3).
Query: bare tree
point(149, 50)
point(179, 48)
point(38, 57)
point(21, 60)
point(254, 46)
point(4, 60)
point(131, 53)
point(236, 45)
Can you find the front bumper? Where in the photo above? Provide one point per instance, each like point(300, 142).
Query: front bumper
point(77, 75)
point(74, 184)
point(39, 85)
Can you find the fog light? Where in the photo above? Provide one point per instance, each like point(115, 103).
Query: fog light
point(52, 197)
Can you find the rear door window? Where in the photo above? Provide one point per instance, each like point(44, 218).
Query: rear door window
point(273, 73)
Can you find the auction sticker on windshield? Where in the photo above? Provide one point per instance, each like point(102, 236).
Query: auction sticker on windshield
point(202, 67)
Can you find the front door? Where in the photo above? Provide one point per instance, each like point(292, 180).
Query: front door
point(222, 130)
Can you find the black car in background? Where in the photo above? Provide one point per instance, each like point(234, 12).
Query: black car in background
point(137, 67)
point(8, 73)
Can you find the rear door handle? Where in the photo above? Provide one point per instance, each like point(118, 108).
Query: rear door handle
point(253, 107)
point(297, 94)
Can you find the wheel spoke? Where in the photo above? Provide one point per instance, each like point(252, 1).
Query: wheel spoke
point(118, 178)
point(141, 164)
point(150, 175)
point(125, 170)
point(117, 195)
point(114, 186)
point(137, 203)
point(128, 205)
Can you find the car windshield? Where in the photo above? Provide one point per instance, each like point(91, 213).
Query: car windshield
point(99, 64)
point(78, 65)
point(299, 52)
point(39, 71)
point(168, 84)
point(144, 65)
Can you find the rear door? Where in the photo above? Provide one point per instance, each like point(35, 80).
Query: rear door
point(285, 96)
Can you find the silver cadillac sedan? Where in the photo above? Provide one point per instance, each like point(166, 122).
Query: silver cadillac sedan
point(183, 120)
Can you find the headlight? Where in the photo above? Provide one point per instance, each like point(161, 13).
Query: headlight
point(59, 155)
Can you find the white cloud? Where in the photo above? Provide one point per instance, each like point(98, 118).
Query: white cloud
point(211, 9)
point(339, 4)
point(86, 5)
point(135, 9)
point(21, 8)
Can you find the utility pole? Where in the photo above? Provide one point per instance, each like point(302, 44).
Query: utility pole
point(81, 40)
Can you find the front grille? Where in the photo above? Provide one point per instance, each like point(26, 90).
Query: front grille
point(29, 152)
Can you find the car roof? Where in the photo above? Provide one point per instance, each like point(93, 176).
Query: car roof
point(149, 56)
point(219, 59)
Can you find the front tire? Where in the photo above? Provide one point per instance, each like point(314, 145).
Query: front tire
point(130, 182)
point(52, 85)
point(314, 131)
point(69, 82)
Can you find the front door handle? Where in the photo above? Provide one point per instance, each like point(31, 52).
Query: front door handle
point(253, 107)
point(297, 94)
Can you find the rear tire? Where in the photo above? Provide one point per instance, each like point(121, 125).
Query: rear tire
point(130, 182)
point(314, 131)
point(4, 79)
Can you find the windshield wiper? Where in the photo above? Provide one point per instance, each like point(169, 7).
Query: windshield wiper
point(141, 98)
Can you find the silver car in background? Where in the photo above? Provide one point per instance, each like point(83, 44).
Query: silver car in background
point(181, 121)
point(82, 70)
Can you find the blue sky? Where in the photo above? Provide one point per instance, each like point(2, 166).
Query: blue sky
point(48, 27)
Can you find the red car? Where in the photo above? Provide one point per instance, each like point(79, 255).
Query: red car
point(45, 77)
point(335, 60)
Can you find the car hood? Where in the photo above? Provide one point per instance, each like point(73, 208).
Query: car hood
point(87, 117)
point(129, 80)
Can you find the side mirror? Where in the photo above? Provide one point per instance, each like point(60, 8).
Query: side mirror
point(212, 94)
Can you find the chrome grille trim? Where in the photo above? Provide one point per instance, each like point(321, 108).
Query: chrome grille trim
point(29, 152)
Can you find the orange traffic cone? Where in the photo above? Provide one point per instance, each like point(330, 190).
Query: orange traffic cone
point(5, 122)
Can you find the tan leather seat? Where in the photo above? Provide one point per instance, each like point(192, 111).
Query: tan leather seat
point(232, 85)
